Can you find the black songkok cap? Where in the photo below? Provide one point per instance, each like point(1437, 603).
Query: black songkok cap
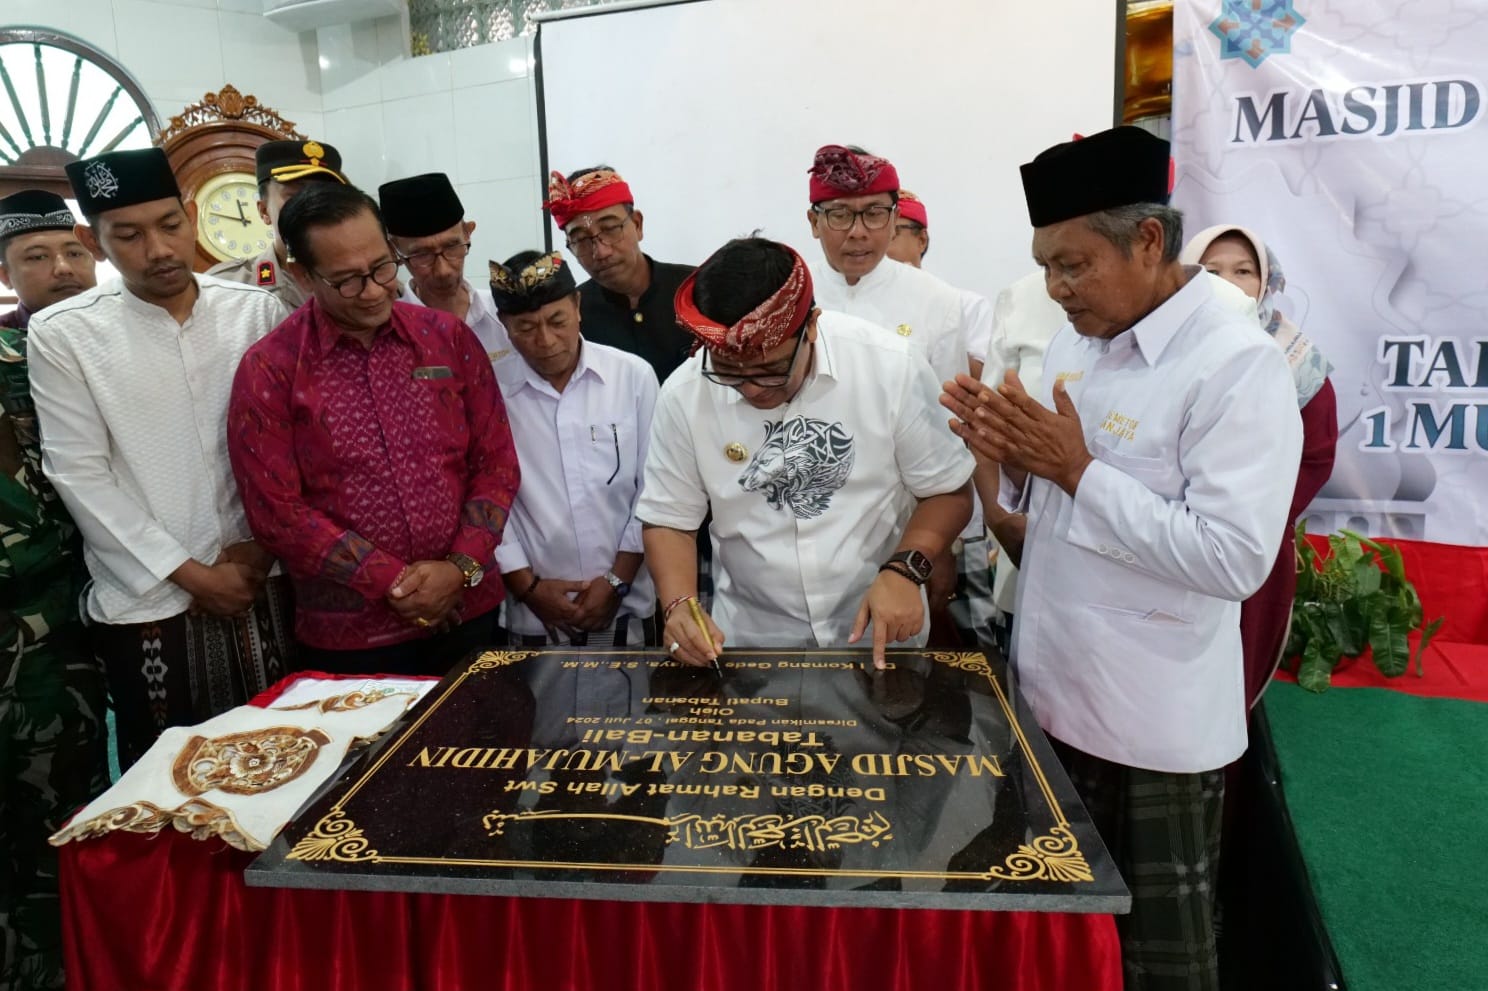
point(118, 179)
point(287, 161)
point(33, 210)
point(420, 205)
point(529, 281)
point(1119, 167)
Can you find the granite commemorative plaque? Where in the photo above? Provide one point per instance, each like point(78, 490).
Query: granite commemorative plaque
point(801, 777)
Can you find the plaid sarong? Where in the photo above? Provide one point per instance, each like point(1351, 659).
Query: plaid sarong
point(1163, 832)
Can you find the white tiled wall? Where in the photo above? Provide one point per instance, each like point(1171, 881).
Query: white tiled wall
point(469, 113)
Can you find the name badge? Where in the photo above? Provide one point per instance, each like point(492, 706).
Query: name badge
point(432, 372)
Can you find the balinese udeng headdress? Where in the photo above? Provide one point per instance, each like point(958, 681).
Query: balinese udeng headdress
point(759, 330)
point(911, 207)
point(589, 192)
point(529, 287)
point(839, 171)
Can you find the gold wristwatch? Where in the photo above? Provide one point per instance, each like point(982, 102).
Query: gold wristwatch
point(469, 566)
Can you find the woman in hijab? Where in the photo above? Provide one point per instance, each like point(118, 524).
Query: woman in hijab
point(1240, 257)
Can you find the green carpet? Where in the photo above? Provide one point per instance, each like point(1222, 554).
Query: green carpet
point(1389, 796)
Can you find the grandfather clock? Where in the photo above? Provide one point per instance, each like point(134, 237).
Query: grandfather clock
point(210, 146)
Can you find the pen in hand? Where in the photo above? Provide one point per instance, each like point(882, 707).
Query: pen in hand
point(697, 615)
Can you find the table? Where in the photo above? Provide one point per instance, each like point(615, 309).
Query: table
point(167, 913)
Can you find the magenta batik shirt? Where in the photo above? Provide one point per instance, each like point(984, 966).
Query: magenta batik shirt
point(354, 462)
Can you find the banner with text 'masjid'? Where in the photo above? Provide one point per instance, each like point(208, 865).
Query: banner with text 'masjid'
point(1350, 135)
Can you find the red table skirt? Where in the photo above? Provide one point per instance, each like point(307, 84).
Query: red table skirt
point(167, 913)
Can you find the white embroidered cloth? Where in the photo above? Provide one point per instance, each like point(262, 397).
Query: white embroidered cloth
point(241, 775)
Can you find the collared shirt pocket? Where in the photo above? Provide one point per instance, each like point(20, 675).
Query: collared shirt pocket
point(1157, 470)
point(610, 453)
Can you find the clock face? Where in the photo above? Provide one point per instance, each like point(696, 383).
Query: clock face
point(227, 220)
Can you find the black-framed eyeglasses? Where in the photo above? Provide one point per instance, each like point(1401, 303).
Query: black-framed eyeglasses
point(763, 380)
point(607, 233)
point(352, 285)
point(842, 218)
point(424, 260)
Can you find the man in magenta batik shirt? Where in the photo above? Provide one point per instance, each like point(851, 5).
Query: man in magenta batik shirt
point(371, 446)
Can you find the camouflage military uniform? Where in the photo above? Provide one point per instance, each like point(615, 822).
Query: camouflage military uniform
point(53, 748)
point(264, 271)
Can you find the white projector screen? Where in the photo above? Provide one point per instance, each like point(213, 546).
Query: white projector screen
point(713, 109)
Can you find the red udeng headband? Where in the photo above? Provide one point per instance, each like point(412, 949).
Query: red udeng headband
point(839, 171)
point(910, 208)
point(591, 191)
point(759, 330)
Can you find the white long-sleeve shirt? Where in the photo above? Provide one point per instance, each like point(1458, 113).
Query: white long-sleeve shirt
point(133, 414)
point(905, 302)
point(582, 453)
point(808, 499)
point(1127, 638)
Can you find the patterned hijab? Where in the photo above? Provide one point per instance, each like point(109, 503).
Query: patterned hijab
point(1309, 367)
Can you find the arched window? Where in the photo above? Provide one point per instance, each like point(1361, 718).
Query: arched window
point(62, 99)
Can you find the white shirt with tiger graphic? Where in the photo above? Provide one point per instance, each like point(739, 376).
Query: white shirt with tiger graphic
point(817, 492)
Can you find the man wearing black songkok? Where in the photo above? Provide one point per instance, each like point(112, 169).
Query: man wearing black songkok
point(1156, 464)
point(428, 228)
point(131, 382)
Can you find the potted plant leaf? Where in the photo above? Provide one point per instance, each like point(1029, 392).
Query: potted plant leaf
point(1356, 596)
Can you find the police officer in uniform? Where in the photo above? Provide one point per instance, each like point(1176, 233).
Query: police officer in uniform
point(282, 169)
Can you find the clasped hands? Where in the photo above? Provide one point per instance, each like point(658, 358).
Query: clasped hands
point(228, 586)
point(1007, 426)
point(429, 594)
point(570, 607)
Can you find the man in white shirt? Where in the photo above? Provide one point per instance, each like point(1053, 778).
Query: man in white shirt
point(580, 414)
point(1156, 465)
point(814, 439)
point(427, 227)
point(1024, 321)
point(282, 169)
point(131, 381)
point(854, 197)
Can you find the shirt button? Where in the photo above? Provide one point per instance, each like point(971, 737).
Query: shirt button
point(1128, 557)
point(638, 317)
point(1103, 549)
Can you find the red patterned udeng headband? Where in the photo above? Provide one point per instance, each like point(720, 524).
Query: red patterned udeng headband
point(589, 192)
point(759, 330)
point(839, 171)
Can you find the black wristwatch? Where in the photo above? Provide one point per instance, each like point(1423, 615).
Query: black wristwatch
point(469, 567)
point(910, 564)
point(622, 588)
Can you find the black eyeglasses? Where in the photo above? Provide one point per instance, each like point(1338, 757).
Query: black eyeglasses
point(764, 380)
point(841, 218)
point(424, 260)
point(351, 286)
point(608, 234)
